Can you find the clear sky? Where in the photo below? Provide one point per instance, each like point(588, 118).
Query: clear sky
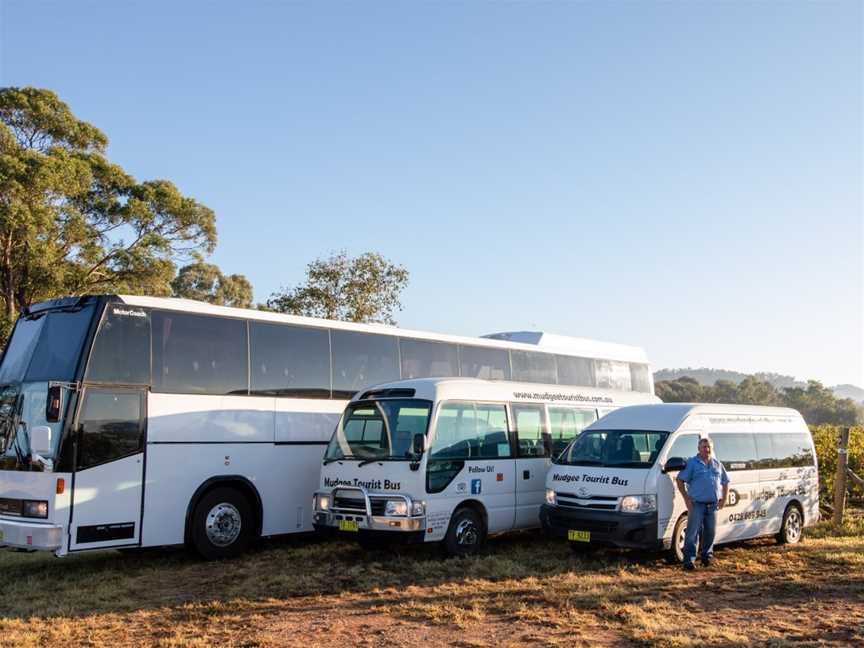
point(682, 176)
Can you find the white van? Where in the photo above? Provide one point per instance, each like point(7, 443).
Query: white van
point(450, 459)
point(615, 483)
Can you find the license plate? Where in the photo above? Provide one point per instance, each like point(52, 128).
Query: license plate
point(349, 525)
point(578, 536)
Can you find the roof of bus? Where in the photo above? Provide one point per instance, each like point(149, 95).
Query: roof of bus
point(438, 389)
point(670, 416)
point(540, 341)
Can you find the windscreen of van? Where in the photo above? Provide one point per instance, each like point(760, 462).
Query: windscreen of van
point(379, 429)
point(621, 448)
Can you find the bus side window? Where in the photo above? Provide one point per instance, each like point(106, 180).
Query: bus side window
point(530, 429)
point(471, 431)
point(566, 423)
point(736, 450)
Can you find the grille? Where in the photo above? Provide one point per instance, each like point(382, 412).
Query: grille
point(378, 506)
point(596, 502)
point(594, 526)
point(351, 503)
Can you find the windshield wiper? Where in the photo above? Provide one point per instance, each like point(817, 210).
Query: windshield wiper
point(332, 459)
point(586, 462)
point(628, 464)
point(385, 458)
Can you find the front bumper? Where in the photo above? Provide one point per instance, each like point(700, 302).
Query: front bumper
point(368, 526)
point(607, 528)
point(30, 535)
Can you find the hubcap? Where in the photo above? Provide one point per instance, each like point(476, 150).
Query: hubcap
point(223, 524)
point(679, 541)
point(467, 534)
point(793, 526)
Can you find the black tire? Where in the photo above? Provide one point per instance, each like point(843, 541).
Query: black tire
point(466, 534)
point(675, 555)
point(792, 527)
point(223, 524)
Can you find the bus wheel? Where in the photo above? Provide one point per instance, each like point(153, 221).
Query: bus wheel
point(222, 524)
point(792, 527)
point(676, 549)
point(466, 534)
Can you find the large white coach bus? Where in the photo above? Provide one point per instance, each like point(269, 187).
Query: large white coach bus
point(451, 460)
point(134, 422)
point(615, 484)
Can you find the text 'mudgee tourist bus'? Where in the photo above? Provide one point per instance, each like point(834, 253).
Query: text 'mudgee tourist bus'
point(135, 421)
point(451, 460)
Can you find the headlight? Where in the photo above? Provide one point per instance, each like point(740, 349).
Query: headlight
point(551, 500)
point(418, 508)
point(323, 502)
point(396, 508)
point(34, 509)
point(639, 504)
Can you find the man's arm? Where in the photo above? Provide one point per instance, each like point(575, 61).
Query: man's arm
point(724, 480)
point(683, 488)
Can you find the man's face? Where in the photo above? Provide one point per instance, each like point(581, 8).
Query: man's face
point(704, 449)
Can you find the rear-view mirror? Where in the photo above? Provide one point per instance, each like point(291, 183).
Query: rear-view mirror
point(418, 445)
point(674, 464)
point(54, 403)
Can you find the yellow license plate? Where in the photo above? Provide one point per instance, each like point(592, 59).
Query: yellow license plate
point(348, 525)
point(578, 536)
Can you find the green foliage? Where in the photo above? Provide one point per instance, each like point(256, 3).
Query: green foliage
point(205, 282)
point(361, 289)
point(825, 438)
point(72, 222)
point(817, 404)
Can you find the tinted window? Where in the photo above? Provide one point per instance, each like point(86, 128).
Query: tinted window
point(482, 362)
point(19, 350)
point(121, 352)
point(529, 366)
point(684, 446)
point(381, 429)
point(576, 371)
point(565, 424)
point(630, 448)
point(197, 354)
point(362, 360)
point(422, 359)
point(792, 450)
point(640, 378)
point(736, 451)
point(612, 374)
point(110, 427)
point(530, 424)
point(289, 360)
point(471, 431)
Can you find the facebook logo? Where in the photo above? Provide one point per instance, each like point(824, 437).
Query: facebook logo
point(476, 486)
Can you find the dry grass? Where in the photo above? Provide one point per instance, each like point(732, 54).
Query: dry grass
point(524, 590)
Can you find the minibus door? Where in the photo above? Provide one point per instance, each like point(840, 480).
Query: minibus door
point(107, 484)
point(532, 462)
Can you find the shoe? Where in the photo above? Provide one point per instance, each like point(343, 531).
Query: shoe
point(689, 566)
point(706, 562)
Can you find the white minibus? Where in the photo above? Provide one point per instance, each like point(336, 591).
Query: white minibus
point(615, 483)
point(130, 421)
point(450, 460)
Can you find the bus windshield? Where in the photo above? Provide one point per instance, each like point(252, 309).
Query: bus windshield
point(619, 448)
point(379, 429)
point(46, 346)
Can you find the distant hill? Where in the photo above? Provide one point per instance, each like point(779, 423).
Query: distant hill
point(707, 377)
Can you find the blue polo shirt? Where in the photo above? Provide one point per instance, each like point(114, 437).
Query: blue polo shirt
point(704, 481)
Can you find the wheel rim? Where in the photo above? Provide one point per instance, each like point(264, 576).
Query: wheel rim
point(223, 524)
point(467, 534)
point(793, 526)
point(679, 541)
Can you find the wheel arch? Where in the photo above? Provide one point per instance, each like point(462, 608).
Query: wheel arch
point(239, 482)
point(477, 506)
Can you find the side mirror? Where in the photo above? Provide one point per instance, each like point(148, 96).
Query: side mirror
point(40, 440)
point(418, 445)
point(54, 403)
point(675, 464)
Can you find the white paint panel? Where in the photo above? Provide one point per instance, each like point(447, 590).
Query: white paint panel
point(307, 419)
point(285, 476)
point(219, 419)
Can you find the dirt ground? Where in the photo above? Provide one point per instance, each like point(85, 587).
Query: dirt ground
point(524, 590)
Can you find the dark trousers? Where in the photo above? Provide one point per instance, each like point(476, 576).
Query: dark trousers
point(701, 521)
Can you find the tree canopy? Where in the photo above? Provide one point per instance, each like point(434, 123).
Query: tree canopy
point(365, 288)
point(205, 282)
point(73, 222)
point(817, 403)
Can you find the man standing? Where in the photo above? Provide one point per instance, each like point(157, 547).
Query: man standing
point(704, 485)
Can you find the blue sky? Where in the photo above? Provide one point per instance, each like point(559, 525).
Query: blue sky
point(682, 176)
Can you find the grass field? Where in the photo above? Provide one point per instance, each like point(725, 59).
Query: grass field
point(523, 590)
